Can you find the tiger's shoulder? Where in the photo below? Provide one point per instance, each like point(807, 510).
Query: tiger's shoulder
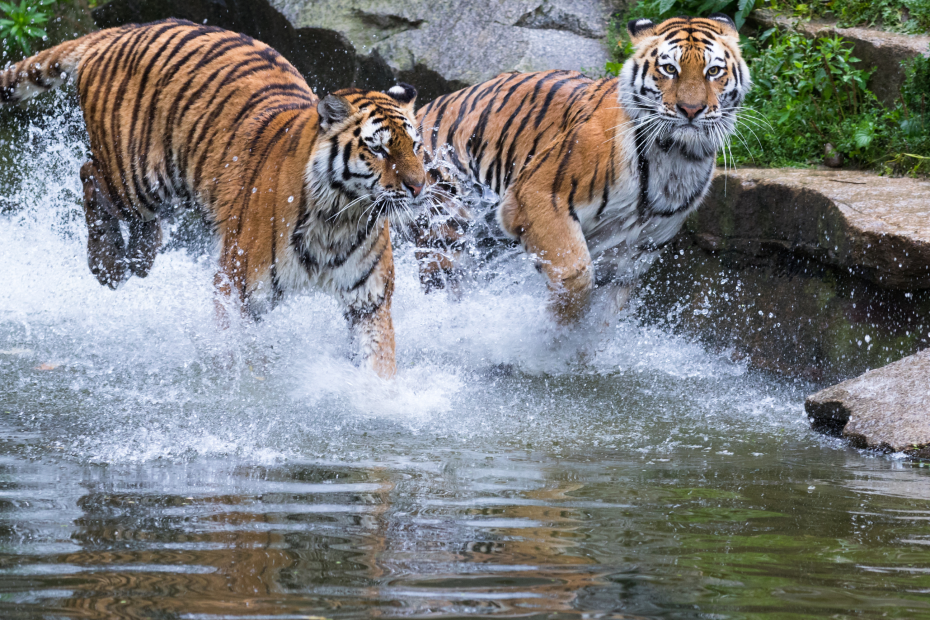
point(492, 130)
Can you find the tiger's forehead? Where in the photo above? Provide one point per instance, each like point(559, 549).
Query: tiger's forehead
point(385, 123)
point(690, 40)
point(687, 53)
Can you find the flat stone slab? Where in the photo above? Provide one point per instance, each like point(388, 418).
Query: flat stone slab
point(883, 51)
point(876, 227)
point(887, 408)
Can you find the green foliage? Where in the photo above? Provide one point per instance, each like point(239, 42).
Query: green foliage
point(22, 22)
point(907, 16)
point(663, 9)
point(808, 94)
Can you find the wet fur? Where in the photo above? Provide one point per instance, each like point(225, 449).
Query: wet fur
point(595, 177)
point(299, 191)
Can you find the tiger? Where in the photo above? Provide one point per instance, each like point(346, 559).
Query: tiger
point(592, 177)
point(298, 191)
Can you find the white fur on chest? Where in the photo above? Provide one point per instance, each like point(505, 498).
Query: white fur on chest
point(630, 231)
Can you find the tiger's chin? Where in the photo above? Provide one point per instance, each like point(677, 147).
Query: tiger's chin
point(700, 141)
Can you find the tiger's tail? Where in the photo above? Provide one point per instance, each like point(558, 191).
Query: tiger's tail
point(44, 71)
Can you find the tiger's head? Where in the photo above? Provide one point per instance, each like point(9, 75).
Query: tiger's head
point(686, 80)
point(369, 160)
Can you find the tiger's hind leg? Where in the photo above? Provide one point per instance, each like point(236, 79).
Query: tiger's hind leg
point(106, 251)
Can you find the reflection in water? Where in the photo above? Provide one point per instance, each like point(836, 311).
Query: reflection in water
point(461, 535)
point(153, 467)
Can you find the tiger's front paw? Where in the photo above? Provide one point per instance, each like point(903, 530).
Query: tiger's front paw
point(106, 253)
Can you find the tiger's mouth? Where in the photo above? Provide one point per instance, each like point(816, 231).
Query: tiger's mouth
point(701, 138)
point(396, 205)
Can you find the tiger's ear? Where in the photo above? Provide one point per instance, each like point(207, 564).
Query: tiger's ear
point(404, 94)
point(639, 29)
point(333, 109)
point(726, 22)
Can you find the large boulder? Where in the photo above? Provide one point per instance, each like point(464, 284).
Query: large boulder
point(464, 43)
point(438, 46)
point(885, 409)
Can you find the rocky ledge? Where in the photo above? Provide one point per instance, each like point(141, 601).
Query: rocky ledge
point(886, 409)
point(822, 274)
point(874, 227)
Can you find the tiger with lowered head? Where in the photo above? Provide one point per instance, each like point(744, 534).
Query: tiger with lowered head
point(594, 177)
point(299, 191)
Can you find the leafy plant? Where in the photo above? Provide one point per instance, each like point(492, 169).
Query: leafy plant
point(906, 16)
point(808, 94)
point(663, 9)
point(23, 21)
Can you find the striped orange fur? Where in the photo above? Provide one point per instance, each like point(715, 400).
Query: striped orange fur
point(298, 190)
point(594, 176)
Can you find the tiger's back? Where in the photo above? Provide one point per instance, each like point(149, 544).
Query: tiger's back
point(165, 104)
point(497, 127)
point(298, 190)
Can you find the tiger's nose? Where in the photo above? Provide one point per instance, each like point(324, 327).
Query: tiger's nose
point(414, 189)
point(691, 111)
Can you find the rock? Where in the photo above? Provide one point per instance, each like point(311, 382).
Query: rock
point(464, 42)
point(438, 46)
point(887, 408)
point(875, 49)
point(831, 157)
point(781, 312)
point(874, 227)
point(819, 274)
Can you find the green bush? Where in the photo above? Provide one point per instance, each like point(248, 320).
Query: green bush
point(906, 16)
point(22, 23)
point(663, 9)
point(807, 94)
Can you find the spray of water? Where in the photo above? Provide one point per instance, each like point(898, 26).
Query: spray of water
point(144, 372)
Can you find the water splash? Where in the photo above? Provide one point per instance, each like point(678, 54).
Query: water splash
point(144, 373)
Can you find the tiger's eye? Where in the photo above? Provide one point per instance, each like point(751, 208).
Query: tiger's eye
point(670, 69)
point(713, 71)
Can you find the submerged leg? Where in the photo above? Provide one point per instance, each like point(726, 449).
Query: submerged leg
point(106, 252)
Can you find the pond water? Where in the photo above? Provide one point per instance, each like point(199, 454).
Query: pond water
point(153, 466)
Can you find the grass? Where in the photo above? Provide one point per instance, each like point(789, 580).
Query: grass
point(808, 94)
